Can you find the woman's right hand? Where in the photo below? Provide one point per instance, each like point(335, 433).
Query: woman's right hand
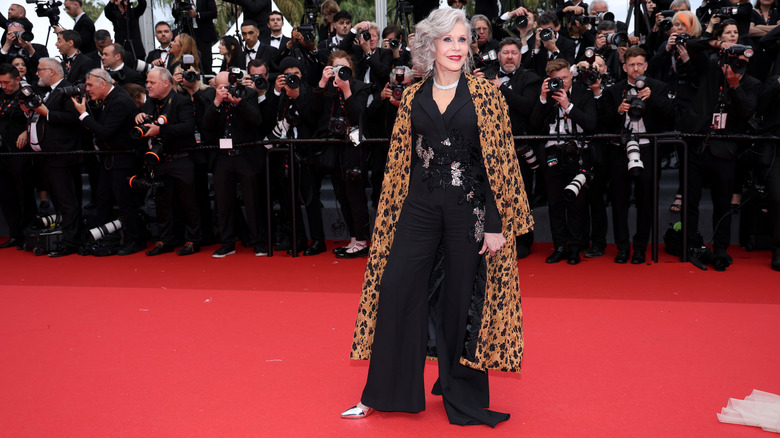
point(327, 73)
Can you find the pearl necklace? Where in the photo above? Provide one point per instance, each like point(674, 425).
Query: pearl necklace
point(445, 87)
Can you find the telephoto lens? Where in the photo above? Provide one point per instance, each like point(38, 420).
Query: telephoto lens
point(555, 84)
point(50, 221)
point(343, 72)
point(530, 157)
point(572, 190)
point(635, 165)
point(292, 80)
point(104, 230)
point(546, 34)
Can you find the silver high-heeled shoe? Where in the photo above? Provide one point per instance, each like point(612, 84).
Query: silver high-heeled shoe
point(355, 413)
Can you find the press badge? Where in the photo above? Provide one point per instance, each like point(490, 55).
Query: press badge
point(197, 137)
point(719, 120)
point(226, 143)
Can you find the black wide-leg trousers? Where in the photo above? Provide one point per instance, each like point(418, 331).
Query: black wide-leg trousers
point(395, 375)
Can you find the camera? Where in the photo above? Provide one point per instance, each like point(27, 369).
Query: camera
point(488, 64)
point(27, 96)
point(236, 89)
point(399, 87)
point(142, 183)
point(682, 39)
point(292, 116)
point(635, 165)
point(78, 91)
point(590, 55)
point(50, 221)
point(546, 34)
point(104, 230)
point(394, 43)
point(726, 12)
point(337, 126)
point(571, 191)
point(343, 72)
point(603, 16)
point(530, 157)
point(293, 81)
point(584, 19)
point(731, 57)
point(636, 106)
point(587, 76)
point(261, 83)
point(366, 35)
point(307, 32)
point(47, 9)
point(617, 39)
point(186, 74)
point(141, 129)
point(311, 10)
point(555, 84)
point(182, 7)
point(24, 36)
point(567, 153)
point(355, 174)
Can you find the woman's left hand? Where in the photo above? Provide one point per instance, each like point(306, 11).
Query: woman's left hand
point(492, 242)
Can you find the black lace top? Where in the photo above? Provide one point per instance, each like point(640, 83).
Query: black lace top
point(447, 148)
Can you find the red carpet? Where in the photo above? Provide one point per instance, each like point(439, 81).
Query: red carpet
point(247, 346)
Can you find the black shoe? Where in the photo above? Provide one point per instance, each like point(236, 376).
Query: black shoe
point(302, 245)
point(638, 258)
point(697, 256)
point(523, 250)
point(131, 249)
point(353, 255)
point(594, 251)
point(776, 260)
point(160, 248)
point(574, 257)
point(316, 247)
point(223, 251)
point(11, 242)
point(557, 255)
point(339, 250)
point(63, 251)
point(720, 259)
point(260, 250)
point(622, 256)
point(188, 249)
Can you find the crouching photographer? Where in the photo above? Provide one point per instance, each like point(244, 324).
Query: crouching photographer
point(343, 99)
point(168, 122)
point(110, 128)
point(769, 162)
point(565, 109)
point(726, 98)
point(632, 106)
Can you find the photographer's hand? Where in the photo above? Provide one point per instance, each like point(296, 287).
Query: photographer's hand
point(732, 77)
point(193, 13)
point(80, 105)
point(140, 118)
point(545, 89)
point(21, 141)
point(248, 83)
point(279, 83)
point(221, 94)
point(562, 98)
point(327, 73)
point(644, 93)
point(153, 130)
point(42, 110)
point(386, 93)
point(623, 108)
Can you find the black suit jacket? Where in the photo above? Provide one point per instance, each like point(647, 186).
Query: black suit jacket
point(326, 100)
point(658, 107)
point(127, 75)
point(282, 43)
point(521, 92)
point(587, 40)
point(207, 14)
point(583, 113)
point(55, 132)
point(275, 108)
point(113, 125)
point(76, 68)
point(265, 52)
point(257, 11)
point(121, 33)
point(565, 50)
point(245, 119)
point(86, 29)
point(179, 131)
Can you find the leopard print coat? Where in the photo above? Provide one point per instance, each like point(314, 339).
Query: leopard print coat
point(499, 344)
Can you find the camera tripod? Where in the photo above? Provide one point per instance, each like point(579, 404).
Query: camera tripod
point(641, 15)
point(403, 9)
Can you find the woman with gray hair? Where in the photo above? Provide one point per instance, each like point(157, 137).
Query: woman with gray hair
point(441, 280)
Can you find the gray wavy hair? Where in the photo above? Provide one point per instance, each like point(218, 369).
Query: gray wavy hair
point(438, 24)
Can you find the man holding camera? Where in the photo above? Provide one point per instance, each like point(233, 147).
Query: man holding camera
point(169, 123)
point(17, 201)
point(196, 18)
point(18, 42)
point(110, 129)
point(373, 63)
point(634, 105)
point(233, 115)
point(726, 96)
point(160, 57)
point(51, 130)
point(127, 31)
point(550, 44)
point(83, 25)
point(564, 108)
point(74, 62)
point(114, 62)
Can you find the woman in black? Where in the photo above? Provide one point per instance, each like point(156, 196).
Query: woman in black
point(451, 147)
point(232, 55)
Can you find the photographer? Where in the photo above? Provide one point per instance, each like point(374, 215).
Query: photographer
point(327, 28)
point(632, 106)
point(126, 28)
point(17, 201)
point(51, 130)
point(83, 25)
point(110, 129)
point(568, 109)
point(392, 40)
point(343, 26)
point(256, 11)
point(611, 53)
point(16, 13)
point(16, 46)
point(484, 42)
point(520, 88)
point(725, 100)
point(196, 18)
point(74, 63)
point(257, 79)
point(580, 33)
point(739, 10)
point(175, 168)
point(373, 63)
point(303, 49)
point(233, 115)
point(253, 48)
point(161, 57)
point(288, 106)
point(549, 44)
point(276, 39)
point(342, 100)
point(114, 62)
point(769, 165)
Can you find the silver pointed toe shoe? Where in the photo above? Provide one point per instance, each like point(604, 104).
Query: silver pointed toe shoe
point(355, 413)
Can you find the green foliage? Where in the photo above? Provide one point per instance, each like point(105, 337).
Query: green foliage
point(93, 8)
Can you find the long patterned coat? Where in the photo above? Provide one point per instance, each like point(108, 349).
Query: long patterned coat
point(497, 337)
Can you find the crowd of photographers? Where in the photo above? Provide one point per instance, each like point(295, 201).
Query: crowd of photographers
point(567, 73)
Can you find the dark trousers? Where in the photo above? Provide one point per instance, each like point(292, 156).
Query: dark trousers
point(720, 173)
point(597, 205)
point(281, 191)
point(567, 219)
point(620, 182)
point(350, 189)
point(395, 374)
point(17, 197)
point(310, 189)
point(206, 58)
point(62, 180)
point(228, 172)
point(178, 178)
point(773, 189)
point(113, 187)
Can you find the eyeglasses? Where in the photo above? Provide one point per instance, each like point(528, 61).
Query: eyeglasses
point(44, 68)
point(97, 76)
